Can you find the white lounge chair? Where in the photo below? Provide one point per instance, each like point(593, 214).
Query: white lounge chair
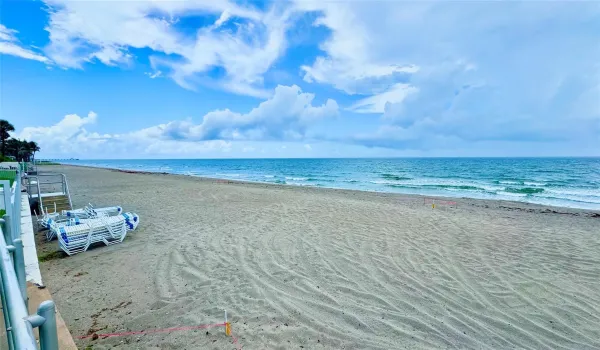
point(109, 230)
point(131, 219)
point(90, 212)
point(47, 219)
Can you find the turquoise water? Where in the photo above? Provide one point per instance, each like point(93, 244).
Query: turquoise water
point(567, 182)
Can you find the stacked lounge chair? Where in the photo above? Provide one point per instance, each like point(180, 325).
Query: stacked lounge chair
point(49, 219)
point(78, 229)
point(108, 229)
point(131, 220)
point(74, 217)
point(90, 212)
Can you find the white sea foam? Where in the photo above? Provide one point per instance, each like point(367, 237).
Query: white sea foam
point(536, 184)
point(511, 194)
point(228, 175)
point(579, 188)
point(297, 183)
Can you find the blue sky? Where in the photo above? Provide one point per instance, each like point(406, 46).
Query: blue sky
point(223, 79)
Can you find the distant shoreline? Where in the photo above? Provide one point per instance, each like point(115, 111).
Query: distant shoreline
point(498, 203)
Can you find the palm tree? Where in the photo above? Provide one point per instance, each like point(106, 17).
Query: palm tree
point(5, 128)
point(33, 147)
point(12, 148)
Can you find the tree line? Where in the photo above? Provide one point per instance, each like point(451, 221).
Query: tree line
point(14, 149)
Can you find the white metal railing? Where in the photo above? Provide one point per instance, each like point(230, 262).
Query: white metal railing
point(13, 285)
point(39, 184)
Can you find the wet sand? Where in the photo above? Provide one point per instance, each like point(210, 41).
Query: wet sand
point(312, 268)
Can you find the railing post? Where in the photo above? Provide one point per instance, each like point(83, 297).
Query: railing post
point(17, 209)
point(21, 335)
point(6, 229)
point(19, 263)
point(8, 208)
point(5, 311)
point(48, 331)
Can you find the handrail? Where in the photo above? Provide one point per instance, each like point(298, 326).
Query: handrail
point(63, 182)
point(66, 187)
point(46, 174)
point(50, 183)
point(12, 270)
point(21, 330)
point(13, 289)
point(39, 192)
point(16, 203)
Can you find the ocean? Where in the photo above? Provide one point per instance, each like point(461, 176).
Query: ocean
point(565, 182)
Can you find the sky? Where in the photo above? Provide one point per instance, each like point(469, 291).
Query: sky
point(225, 79)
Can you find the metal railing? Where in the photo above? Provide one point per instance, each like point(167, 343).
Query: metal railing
point(47, 183)
point(13, 285)
point(66, 189)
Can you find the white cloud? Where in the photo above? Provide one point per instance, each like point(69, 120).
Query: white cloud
point(355, 77)
point(9, 45)
point(245, 42)
point(69, 127)
point(154, 75)
point(512, 71)
point(68, 135)
point(70, 138)
point(285, 116)
point(357, 59)
point(377, 103)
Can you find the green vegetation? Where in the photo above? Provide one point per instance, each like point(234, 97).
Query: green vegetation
point(9, 175)
point(5, 129)
point(12, 149)
point(5, 159)
point(2, 212)
point(52, 256)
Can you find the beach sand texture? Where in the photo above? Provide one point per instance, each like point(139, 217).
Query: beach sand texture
point(327, 269)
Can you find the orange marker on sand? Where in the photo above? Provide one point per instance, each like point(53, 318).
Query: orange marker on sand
point(227, 326)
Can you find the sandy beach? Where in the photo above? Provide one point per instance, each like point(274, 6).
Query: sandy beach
point(300, 267)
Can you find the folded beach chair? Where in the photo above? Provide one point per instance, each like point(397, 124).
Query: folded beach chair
point(90, 212)
point(108, 230)
point(77, 239)
point(131, 219)
point(48, 219)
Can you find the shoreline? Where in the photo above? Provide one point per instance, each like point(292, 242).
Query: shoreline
point(476, 202)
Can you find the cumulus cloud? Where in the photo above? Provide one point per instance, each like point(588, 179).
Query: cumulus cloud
point(70, 137)
point(284, 117)
point(243, 41)
point(68, 128)
point(464, 71)
point(9, 45)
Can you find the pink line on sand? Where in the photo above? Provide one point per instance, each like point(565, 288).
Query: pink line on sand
point(160, 330)
point(163, 330)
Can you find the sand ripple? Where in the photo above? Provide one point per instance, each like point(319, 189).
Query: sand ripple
point(326, 269)
point(354, 275)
